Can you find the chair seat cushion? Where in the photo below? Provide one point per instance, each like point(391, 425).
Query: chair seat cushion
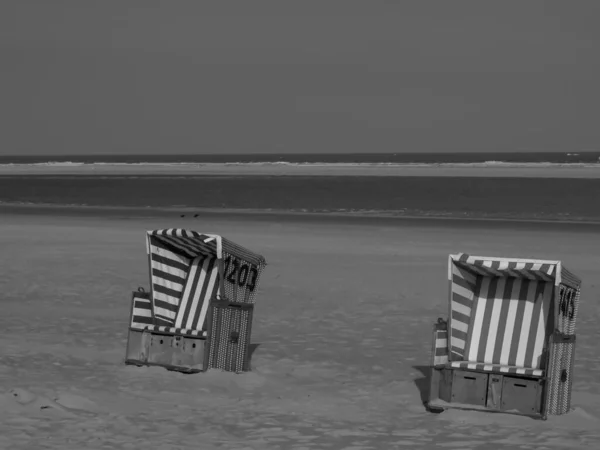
point(497, 368)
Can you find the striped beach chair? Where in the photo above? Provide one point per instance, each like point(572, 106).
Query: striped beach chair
point(508, 343)
point(198, 312)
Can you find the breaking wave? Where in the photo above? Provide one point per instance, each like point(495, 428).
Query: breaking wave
point(492, 163)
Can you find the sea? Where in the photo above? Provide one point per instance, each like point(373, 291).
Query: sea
point(320, 158)
point(517, 199)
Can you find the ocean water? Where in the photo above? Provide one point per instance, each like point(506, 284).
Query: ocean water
point(450, 197)
point(333, 158)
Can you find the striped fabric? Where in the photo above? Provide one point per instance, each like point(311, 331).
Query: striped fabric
point(189, 243)
point(509, 319)
point(193, 244)
point(502, 267)
point(173, 330)
point(169, 271)
point(497, 368)
point(462, 294)
point(440, 351)
point(202, 285)
point(499, 312)
point(141, 315)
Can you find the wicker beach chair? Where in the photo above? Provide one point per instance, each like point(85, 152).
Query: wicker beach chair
point(509, 342)
point(198, 312)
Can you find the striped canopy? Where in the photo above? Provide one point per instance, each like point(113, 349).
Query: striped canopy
point(188, 269)
point(531, 269)
point(502, 311)
point(192, 244)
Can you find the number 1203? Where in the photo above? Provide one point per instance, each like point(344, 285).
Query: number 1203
point(241, 273)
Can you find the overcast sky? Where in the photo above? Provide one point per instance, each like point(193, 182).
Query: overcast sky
point(172, 76)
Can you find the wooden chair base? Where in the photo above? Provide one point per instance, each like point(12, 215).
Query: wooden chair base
point(226, 347)
point(180, 353)
point(484, 391)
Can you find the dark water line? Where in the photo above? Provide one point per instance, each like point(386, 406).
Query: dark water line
point(39, 211)
point(525, 198)
point(432, 158)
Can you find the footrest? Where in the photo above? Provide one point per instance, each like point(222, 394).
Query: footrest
point(169, 330)
point(497, 368)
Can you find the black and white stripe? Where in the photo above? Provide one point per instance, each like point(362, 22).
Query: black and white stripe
point(194, 244)
point(169, 274)
point(172, 330)
point(503, 267)
point(142, 310)
point(189, 243)
point(202, 285)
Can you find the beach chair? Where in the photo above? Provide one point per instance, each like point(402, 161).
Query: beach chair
point(198, 312)
point(508, 344)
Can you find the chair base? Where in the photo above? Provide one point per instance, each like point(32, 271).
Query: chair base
point(440, 406)
point(484, 391)
point(225, 345)
point(179, 353)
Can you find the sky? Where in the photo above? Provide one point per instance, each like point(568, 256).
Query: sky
point(291, 76)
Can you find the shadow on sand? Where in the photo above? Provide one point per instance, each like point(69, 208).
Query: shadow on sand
point(422, 384)
point(251, 349)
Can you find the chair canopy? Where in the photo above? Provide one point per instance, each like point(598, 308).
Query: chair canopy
point(532, 269)
point(188, 269)
point(503, 310)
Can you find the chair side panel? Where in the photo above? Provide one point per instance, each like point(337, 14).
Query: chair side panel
point(560, 374)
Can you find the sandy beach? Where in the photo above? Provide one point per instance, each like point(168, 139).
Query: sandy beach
point(341, 339)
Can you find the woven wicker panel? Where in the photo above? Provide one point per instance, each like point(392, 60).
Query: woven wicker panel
point(230, 337)
point(560, 375)
point(242, 278)
point(570, 279)
point(568, 306)
point(243, 253)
